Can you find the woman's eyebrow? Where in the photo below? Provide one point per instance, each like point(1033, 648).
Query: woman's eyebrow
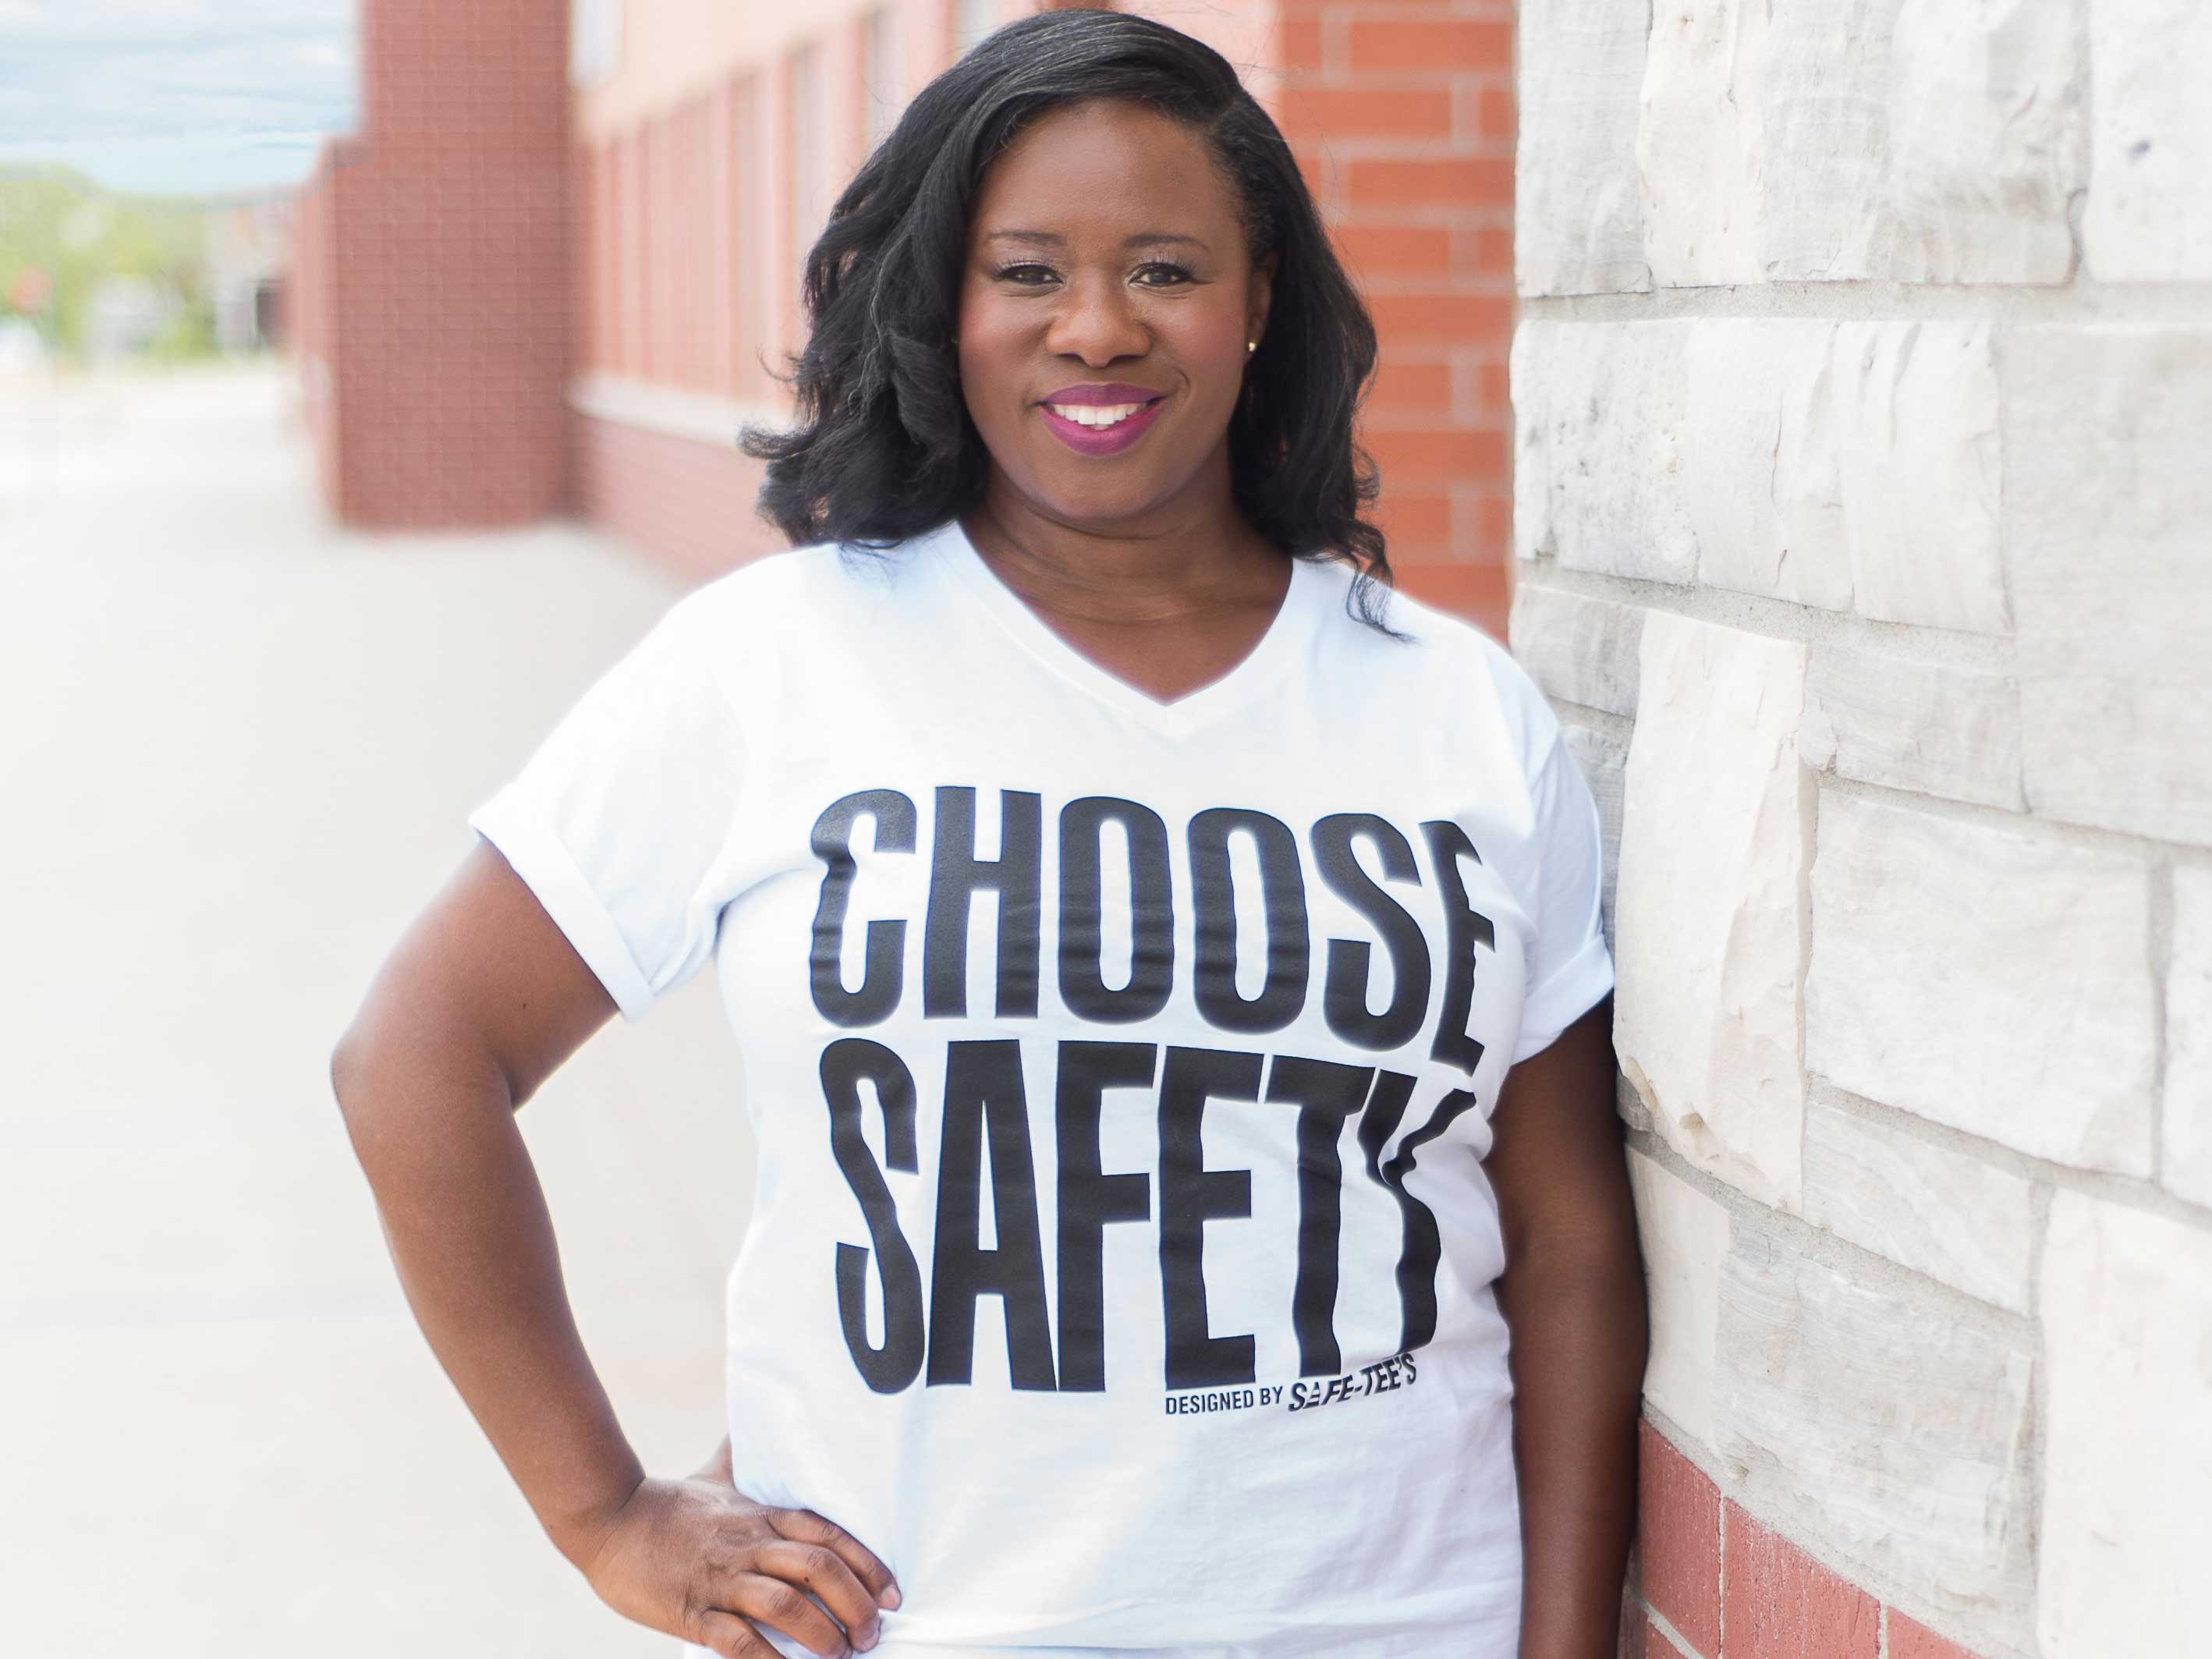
point(1053, 239)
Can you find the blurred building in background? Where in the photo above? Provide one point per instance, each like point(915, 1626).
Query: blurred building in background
point(248, 247)
point(430, 300)
point(558, 266)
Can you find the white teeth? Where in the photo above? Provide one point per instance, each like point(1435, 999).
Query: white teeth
point(1095, 414)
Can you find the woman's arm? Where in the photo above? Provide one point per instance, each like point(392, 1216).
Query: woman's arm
point(1572, 1295)
point(479, 1004)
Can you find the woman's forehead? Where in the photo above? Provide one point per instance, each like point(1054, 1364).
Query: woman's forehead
point(1104, 169)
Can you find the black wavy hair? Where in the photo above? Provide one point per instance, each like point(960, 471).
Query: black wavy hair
point(883, 448)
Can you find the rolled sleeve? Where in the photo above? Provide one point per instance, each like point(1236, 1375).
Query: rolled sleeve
point(620, 823)
point(1570, 969)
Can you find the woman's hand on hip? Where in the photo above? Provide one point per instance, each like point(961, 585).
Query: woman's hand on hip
point(697, 1558)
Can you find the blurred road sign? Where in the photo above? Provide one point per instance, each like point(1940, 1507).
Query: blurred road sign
point(29, 294)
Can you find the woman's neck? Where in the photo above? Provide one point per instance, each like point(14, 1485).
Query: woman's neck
point(1175, 566)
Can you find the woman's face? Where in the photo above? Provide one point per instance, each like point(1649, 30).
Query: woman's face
point(1109, 292)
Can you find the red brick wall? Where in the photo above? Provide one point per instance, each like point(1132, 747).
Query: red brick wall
point(688, 503)
point(1401, 112)
point(1711, 1582)
point(448, 76)
point(434, 267)
point(451, 359)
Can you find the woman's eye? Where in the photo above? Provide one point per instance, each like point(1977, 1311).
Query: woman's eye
point(1161, 276)
point(1028, 276)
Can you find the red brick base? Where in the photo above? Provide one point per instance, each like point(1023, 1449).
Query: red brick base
point(685, 503)
point(1711, 1582)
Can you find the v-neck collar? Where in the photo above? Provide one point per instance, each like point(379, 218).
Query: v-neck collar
point(1259, 667)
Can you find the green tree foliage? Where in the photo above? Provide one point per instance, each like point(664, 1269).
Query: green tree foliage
point(80, 235)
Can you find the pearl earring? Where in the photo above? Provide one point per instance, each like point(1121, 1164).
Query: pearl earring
point(1251, 346)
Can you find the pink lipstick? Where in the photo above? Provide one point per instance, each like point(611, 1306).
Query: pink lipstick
point(1100, 419)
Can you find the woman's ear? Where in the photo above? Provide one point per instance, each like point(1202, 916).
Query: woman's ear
point(1262, 295)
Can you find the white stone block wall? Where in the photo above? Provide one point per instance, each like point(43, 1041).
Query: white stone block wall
point(1864, 507)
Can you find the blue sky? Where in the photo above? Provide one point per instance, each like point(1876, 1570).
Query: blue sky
point(175, 97)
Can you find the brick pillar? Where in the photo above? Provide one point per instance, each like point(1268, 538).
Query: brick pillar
point(447, 266)
point(1402, 116)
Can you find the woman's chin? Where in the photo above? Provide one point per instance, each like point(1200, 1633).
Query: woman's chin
point(1098, 495)
point(1098, 511)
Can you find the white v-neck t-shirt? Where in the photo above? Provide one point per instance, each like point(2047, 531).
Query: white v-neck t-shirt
point(1121, 1259)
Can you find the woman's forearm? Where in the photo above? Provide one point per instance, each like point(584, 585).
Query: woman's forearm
point(465, 1219)
point(1576, 1312)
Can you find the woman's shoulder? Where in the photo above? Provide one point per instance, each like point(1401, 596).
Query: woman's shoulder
point(821, 582)
point(1418, 637)
point(1425, 657)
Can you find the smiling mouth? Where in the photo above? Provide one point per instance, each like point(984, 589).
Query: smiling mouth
point(1099, 415)
point(1099, 430)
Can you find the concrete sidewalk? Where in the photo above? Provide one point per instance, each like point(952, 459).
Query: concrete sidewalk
point(239, 750)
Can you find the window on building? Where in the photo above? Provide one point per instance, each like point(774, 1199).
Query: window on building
point(752, 279)
point(886, 72)
point(810, 149)
point(974, 20)
point(595, 37)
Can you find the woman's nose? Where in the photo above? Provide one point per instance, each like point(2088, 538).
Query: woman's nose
point(1096, 322)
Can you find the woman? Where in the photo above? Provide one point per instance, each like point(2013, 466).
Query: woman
point(1130, 913)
